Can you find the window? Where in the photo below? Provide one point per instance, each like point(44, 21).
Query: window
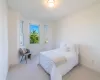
point(21, 34)
point(34, 34)
point(46, 33)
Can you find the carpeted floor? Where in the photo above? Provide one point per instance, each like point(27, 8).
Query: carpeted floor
point(32, 71)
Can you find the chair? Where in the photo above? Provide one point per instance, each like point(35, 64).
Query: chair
point(24, 52)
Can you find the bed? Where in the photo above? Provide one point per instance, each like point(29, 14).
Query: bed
point(56, 72)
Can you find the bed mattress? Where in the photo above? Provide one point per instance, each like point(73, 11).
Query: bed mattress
point(47, 63)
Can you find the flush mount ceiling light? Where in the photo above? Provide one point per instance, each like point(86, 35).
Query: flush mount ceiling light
point(51, 3)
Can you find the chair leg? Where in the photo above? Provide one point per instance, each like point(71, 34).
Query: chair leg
point(30, 56)
point(21, 58)
point(26, 59)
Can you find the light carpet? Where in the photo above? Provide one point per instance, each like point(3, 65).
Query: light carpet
point(32, 71)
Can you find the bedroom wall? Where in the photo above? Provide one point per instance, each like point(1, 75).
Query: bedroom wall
point(14, 19)
point(3, 40)
point(54, 34)
point(13, 36)
point(82, 28)
point(37, 48)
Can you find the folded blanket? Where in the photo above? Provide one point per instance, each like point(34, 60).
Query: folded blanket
point(60, 60)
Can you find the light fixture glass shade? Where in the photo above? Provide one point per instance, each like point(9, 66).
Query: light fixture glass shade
point(51, 3)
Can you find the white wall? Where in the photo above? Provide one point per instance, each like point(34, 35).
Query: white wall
point(13, 36)
point(14, 19)
point(83, 28)
point(36, 48)
point(54, 35)
point(3, 40)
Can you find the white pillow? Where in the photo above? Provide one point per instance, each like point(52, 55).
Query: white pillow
point(63, 49)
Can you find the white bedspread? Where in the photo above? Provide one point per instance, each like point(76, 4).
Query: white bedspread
point(56, 72)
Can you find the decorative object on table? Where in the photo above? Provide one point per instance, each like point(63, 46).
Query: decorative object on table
point(46, 41)
point(24, 53)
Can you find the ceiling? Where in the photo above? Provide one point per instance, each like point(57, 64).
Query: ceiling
point(37, 9)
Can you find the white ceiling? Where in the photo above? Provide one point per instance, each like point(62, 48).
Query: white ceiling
point(36, 9)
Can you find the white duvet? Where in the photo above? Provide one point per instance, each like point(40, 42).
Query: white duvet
point(56, 72)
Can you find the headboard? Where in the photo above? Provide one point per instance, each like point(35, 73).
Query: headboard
point(69, 46)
